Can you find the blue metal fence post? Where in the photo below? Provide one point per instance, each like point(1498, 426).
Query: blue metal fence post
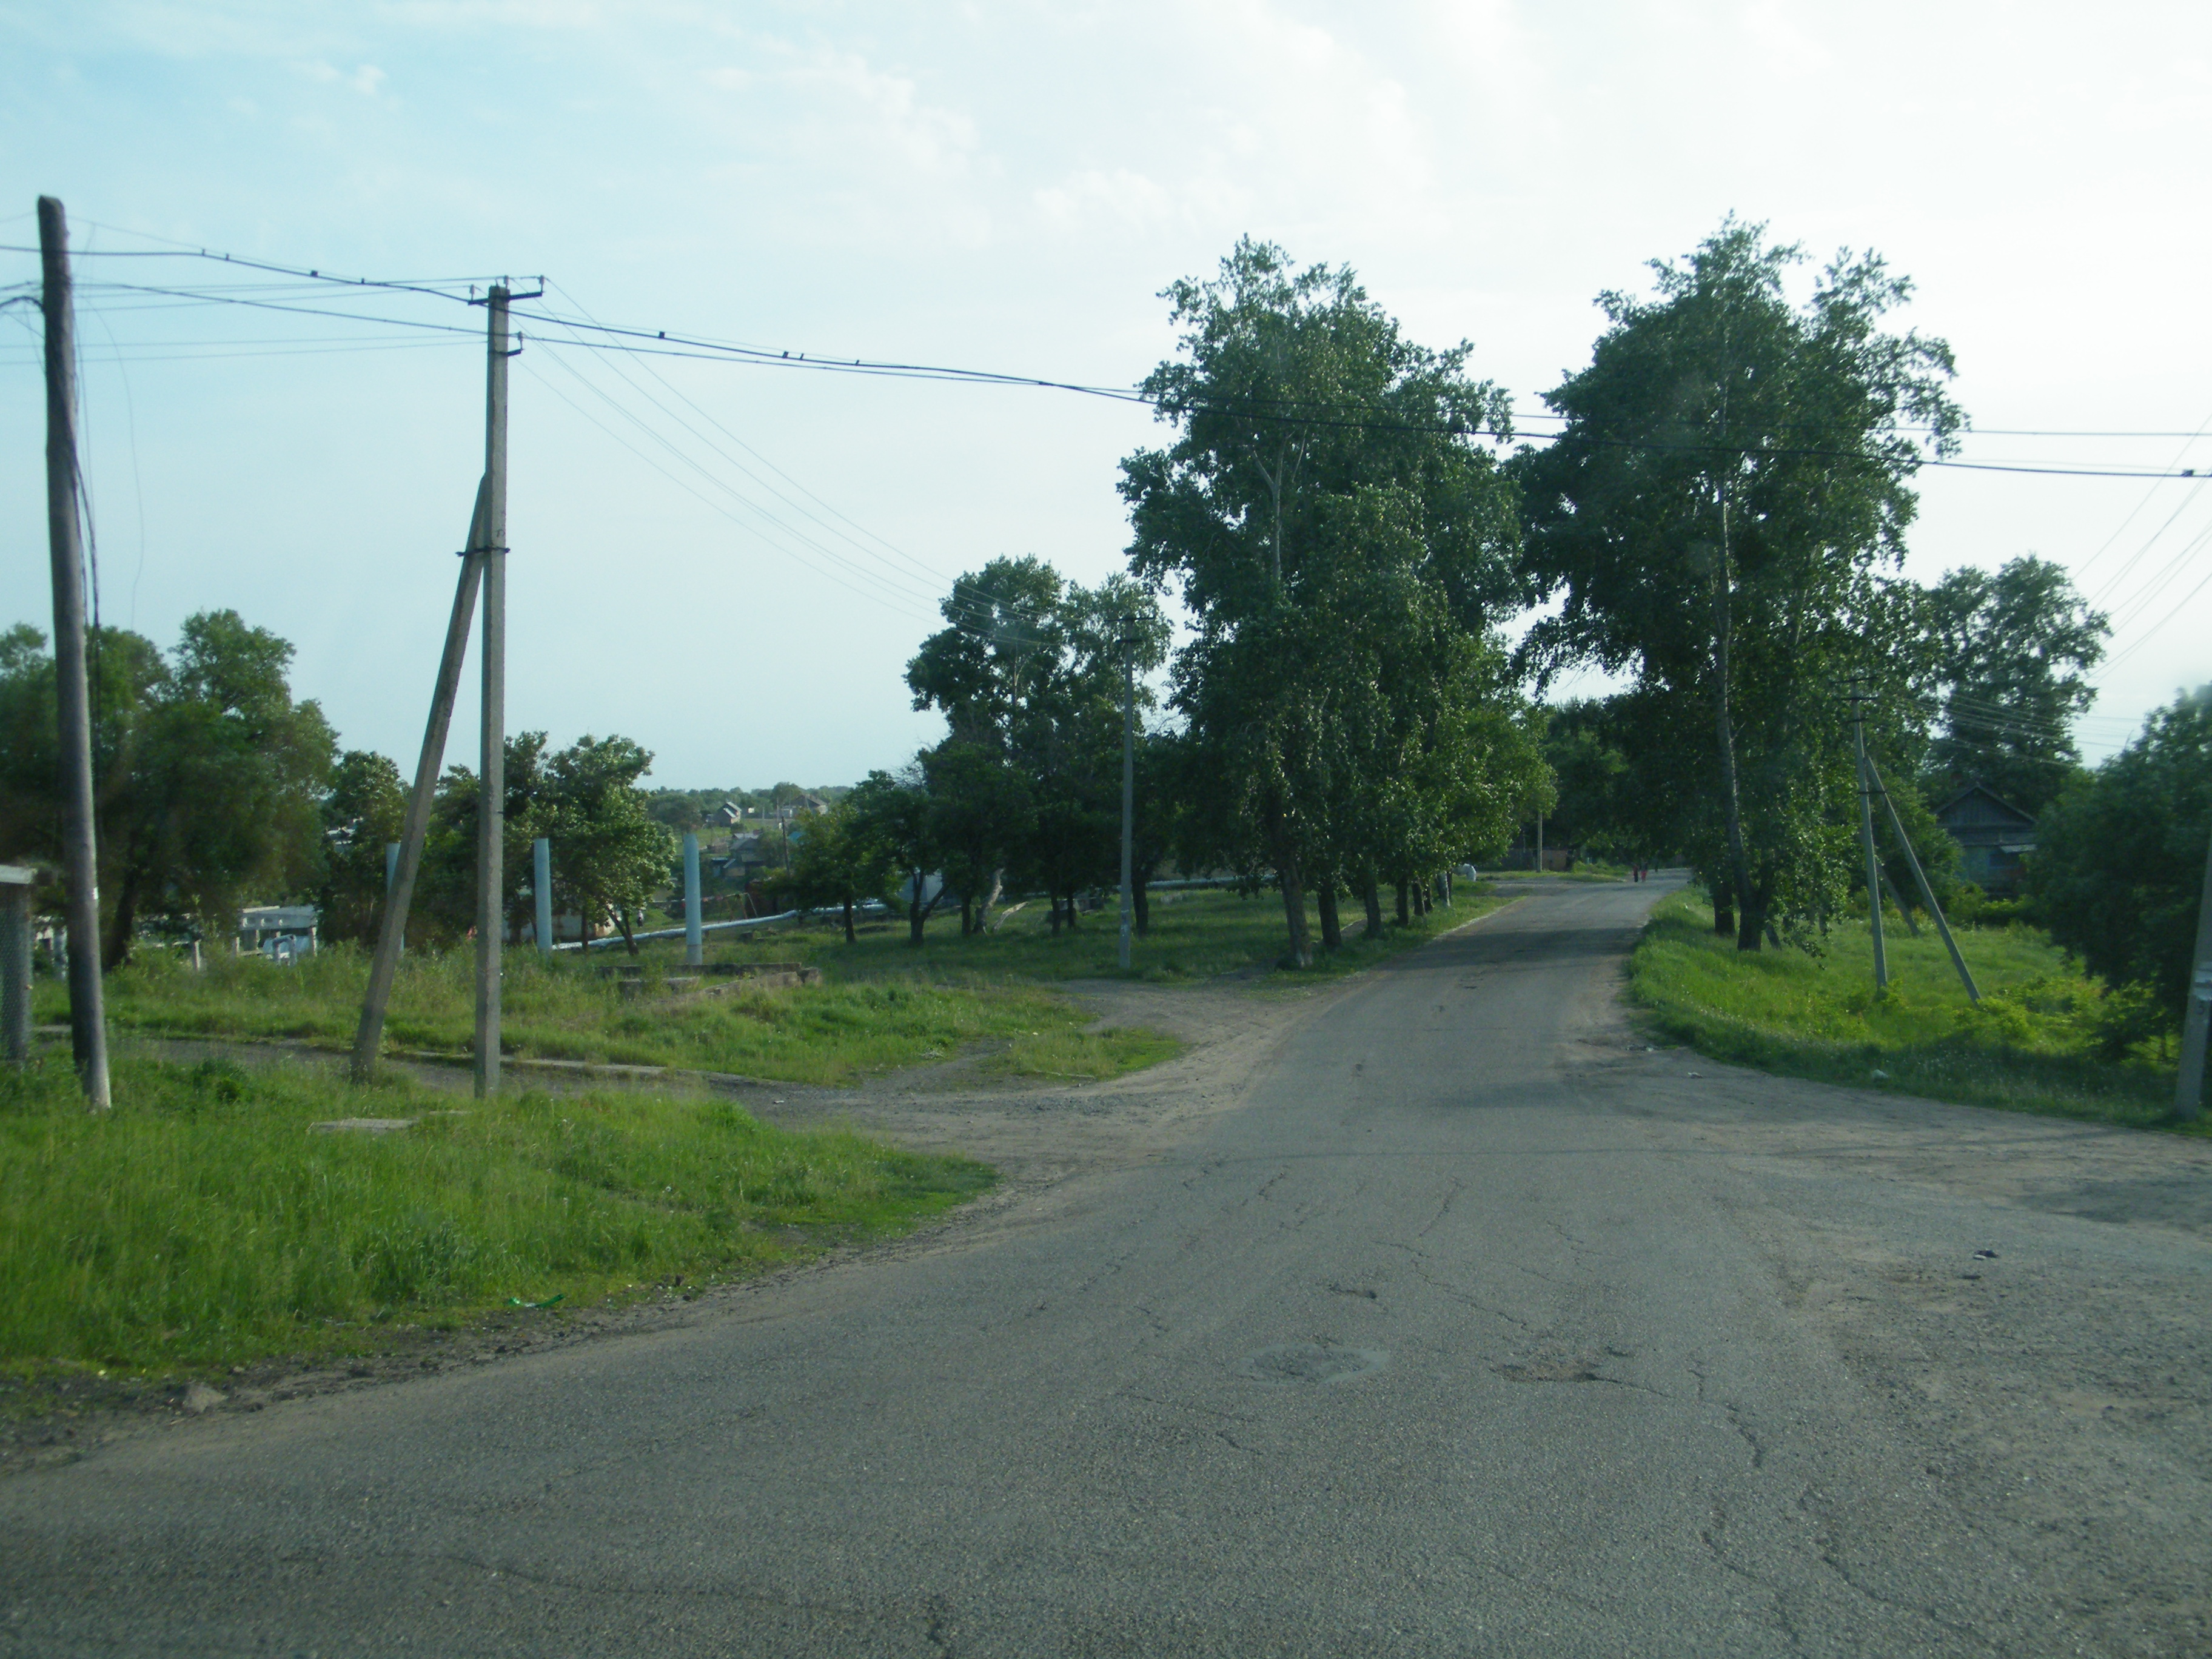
point(694, 947)
point(541, 888)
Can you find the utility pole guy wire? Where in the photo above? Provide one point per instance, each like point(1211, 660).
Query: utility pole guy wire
point(72, 698)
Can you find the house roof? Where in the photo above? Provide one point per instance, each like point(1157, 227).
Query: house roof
point(1978, 814)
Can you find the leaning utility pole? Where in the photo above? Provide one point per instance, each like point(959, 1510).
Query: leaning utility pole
point(1870, 778)
point(1128, 785)
point(392, 930)
point(2196, 1012)
point(1858, 701)
point(72, 699)
point(491, 802)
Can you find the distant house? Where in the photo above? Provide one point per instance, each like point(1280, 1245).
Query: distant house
point(1994, 836)
point(807, 803)
point(744, 854)
point(282, 931)
point(727, 814)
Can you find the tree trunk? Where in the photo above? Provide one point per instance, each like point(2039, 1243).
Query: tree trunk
point(115, 951)
point(1723, 910)
point(967, 915)
point(1052, 901)
point(983, 910)
point(1294, 910)
point(1404, 903)
point(850, 936)
point(1141, 904)
point(1332, 930)
point(1372, 895)
point(1751, 927)
point(629, 936)
point(914, 912)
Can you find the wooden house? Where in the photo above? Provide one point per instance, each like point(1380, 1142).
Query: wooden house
point(1994, 837)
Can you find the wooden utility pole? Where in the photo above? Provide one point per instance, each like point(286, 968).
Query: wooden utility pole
point(2196, 1012)
point(1128, 788)
point(491, 807)
point(72, 698)
point(1859, 700)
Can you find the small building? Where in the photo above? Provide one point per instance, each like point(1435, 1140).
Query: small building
point(282, 931)
point(728, 814)
point(1994, 837)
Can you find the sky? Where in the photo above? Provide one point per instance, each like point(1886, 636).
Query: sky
point(732, 563)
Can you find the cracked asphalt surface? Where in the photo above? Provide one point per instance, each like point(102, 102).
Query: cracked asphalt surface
point(1471, 1326)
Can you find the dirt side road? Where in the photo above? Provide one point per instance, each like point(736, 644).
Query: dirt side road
point(1439, 1317)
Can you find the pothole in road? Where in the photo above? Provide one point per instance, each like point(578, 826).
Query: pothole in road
point(1314, 1364)
point(1582, 1367)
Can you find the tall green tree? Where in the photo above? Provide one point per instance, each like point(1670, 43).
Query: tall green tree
point(1029, 674)
point(364, 811)
point(610, 856)
point(837, 860)
point(2011, 652)
point(895, 813)
point(208, 775)
point(1324, 491)
point(1732, 480)
point(2118, 868)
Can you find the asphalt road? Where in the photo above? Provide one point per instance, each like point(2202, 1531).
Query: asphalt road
point(1473, 1329)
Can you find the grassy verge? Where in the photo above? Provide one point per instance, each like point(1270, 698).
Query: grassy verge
point(1196, 934)
point(882, 1005)
point(2031, 1045)
point(203, 1223)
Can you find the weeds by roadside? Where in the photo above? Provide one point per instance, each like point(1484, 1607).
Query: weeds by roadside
point(205, 1221)
point(2044, 1039)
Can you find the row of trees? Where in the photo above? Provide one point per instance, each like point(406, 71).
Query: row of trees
point(215, 788)
point(611, 857)
point(1344, 717)
point(1993, 668)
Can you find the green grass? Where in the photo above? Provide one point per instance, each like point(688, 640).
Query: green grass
point(882, 1003)
point(202, 1223)
point(2033, 1044)
point(1084, 1055)
point(1196, 934)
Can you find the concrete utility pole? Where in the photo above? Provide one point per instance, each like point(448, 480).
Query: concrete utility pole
point(1129, 789)
point(72, 699)
point(391, 930)
point(1858, 700)
point(491, 801)
point(1869, 777)
point(2196, 1013)
point(391, 880)
point(694, 949)
point(541, 890)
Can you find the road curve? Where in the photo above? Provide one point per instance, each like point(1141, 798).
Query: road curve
point(1474, 1328)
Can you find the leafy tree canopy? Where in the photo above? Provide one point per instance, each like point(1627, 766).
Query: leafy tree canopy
point(2119, 862)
